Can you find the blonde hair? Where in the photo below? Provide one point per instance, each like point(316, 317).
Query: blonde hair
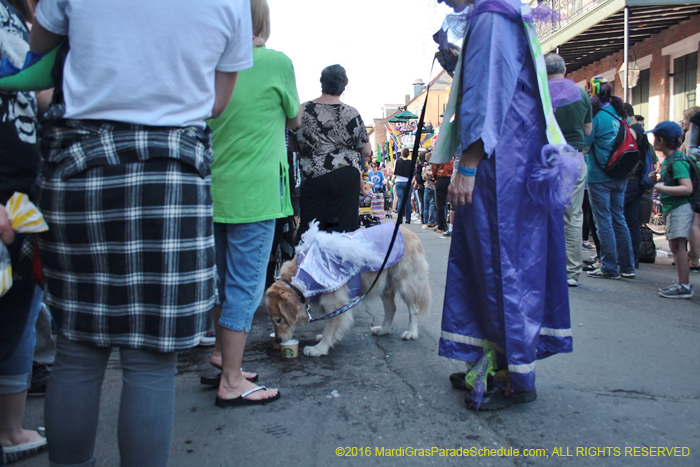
point(687, 113)
point(261, 19)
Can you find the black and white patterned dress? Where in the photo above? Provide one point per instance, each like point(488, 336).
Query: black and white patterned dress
point(330, 137)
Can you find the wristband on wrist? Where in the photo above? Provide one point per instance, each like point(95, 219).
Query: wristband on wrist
point(466, 171)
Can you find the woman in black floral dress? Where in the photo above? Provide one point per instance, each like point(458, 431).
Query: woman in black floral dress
point(333, 141)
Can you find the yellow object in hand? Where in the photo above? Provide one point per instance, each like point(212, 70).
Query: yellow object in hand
point(25, 218)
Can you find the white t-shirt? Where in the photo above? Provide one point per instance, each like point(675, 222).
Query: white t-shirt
point(149, 62)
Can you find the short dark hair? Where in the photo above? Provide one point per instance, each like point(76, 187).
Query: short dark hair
point(333, 80)
point(673, 143)
point(629, 110)
point(639, 118)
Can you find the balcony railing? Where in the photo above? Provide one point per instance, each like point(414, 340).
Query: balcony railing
point(566, 12)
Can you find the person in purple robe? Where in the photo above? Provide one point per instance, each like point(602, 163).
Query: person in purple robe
point(506, 300)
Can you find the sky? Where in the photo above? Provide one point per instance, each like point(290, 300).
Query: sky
point(384, 45)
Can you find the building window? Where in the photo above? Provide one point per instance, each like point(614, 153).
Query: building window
point(685, 71)
point(640, 94)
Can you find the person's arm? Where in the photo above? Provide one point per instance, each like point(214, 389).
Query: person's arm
point(42, 41)
point(684, 188)
point(366, 150)
point(462, 187)
point(588, 118)
point(295, 122)
point(224, 84)
point(43, 101)
point(7, 235)
point(587, 129)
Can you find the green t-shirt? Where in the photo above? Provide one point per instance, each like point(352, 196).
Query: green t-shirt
point(680, 169)
point(572, 117)
point(250, 172)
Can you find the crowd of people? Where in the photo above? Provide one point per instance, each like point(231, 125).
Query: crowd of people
point(615, 207)
point(427, 203)
point(411, 127)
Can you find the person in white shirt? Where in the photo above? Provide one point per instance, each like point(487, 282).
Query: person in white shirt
point(129, 258)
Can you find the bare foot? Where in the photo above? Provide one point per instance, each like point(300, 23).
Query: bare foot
point(20, 437)
point(215, 361)
point(232, 391)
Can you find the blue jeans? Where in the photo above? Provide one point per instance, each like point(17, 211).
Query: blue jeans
point(400, 188)
point(633, 198)
point(429, 212)
point(607, 203)
point(146, 409)
point(15, 372)
point(242, 254)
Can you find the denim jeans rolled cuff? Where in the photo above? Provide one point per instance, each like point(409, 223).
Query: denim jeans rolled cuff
point(242, 254)
point(607, 203)
point(15, 384)
point(14, 370)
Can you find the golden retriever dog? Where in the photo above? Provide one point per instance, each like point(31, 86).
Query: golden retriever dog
point(408, 277)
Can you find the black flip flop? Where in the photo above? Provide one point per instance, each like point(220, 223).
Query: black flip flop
point(241, 400)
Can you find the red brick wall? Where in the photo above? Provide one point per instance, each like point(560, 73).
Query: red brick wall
point(660, 65)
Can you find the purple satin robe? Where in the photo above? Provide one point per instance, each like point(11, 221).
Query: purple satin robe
point(506, 278)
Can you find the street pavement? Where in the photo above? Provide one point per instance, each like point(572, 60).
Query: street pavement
point(630, 386)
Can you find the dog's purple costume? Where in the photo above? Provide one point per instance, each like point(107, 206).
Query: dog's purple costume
point(321, 269)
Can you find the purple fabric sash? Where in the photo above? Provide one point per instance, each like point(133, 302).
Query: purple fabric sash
point(563, 92)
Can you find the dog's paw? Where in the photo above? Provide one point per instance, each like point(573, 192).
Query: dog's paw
point(409, 335)
point(379, 331)
point(316, 351)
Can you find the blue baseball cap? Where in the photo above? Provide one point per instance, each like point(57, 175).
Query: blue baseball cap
point(667, 130)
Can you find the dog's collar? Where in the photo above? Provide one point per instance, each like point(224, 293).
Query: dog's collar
point(299, 294)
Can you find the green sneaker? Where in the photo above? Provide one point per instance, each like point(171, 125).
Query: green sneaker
point(599, 274)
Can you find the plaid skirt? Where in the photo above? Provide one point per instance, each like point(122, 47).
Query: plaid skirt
point(129, 256)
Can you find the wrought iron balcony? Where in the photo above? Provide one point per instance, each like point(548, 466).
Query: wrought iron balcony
point(566, 12)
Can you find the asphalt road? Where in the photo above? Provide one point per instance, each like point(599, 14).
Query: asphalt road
point(631, 385)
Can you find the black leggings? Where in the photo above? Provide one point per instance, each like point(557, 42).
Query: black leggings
point(589, 223)
point(441, 186)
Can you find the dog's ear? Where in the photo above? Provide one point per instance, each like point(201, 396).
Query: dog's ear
point(289, 307)
point(288, 269)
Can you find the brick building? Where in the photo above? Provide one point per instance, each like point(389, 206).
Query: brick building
point(662, 41)
point(437, 101)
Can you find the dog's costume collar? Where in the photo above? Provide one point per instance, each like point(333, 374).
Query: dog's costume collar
point(299, 294)
point(320, 271)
